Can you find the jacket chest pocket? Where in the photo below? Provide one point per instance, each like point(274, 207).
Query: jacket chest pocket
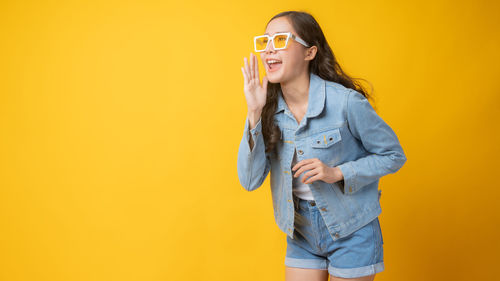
point(326, 139)
point(327, 146)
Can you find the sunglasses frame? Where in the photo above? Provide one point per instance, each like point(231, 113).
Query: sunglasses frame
point(271, 39)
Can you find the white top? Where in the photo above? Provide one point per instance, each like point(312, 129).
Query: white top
point(300, 189)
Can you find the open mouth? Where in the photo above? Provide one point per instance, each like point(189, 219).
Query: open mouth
point(273, 64)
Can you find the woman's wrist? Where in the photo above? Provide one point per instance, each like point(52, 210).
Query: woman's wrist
point(253, 117)
point(337, 174)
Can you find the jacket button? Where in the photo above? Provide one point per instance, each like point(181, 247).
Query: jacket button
point(337, 235)
point(301, 152)
point(313, 203)
point(289, 200)
point(323, 209)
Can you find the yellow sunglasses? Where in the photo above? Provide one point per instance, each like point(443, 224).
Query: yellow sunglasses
point(280, 41)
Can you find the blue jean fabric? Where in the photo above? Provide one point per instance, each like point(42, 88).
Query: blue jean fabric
point(356, 255)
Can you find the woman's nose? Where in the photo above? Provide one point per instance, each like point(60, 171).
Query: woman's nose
point(269, 47)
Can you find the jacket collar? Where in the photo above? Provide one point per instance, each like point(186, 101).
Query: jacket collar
point(316, 99)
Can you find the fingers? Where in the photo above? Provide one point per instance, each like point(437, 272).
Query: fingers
point(304, 165)
point(312, 179)
point(247, 70)
point(251, 70)
point(314, 172)
point(244, 75)
point(252, 61)
point(303, 162)
point(256, 64)
point(304, 168)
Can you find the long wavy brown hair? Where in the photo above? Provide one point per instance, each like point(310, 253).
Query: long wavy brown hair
point(324, 65)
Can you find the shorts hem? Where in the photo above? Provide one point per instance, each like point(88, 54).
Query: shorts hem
point(356, 272)
point(306, 263)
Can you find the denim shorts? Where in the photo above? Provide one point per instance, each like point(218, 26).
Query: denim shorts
point(356, 255)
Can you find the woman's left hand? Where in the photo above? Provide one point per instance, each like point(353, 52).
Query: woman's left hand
point(317, 171)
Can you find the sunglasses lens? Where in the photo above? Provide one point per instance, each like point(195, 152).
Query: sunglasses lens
point(261, 43)
point(280, 41)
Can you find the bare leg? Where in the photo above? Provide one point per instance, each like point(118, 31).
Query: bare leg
point(305, 274)
point(364, 278)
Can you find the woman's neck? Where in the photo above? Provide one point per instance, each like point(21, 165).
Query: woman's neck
point(296, 92)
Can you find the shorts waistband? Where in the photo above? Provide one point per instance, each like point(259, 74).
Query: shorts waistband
point(304, 204)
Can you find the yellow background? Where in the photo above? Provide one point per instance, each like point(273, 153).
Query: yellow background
point(120, 123)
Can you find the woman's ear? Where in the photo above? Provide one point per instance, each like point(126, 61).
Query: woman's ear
point(311, 53)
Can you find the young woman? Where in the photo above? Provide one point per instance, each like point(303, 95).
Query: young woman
point(312, 127)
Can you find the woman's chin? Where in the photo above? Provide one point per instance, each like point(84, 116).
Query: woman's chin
point(274, 77)
point(273, 80)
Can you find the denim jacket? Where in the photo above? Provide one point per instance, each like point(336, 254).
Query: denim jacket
point(341, 129)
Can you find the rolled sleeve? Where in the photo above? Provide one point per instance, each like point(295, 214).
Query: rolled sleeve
point(253, 165)
point(255, 132)
point(386, 154)
point(349, 176)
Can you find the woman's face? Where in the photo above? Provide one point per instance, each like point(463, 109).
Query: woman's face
point(292, 59)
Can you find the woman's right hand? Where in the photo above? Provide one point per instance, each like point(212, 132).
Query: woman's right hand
point(255, 93)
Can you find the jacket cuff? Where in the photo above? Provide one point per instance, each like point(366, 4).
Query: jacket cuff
point(349, 174)
point(253, 133)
